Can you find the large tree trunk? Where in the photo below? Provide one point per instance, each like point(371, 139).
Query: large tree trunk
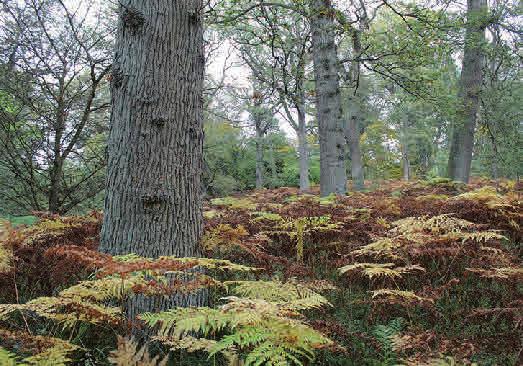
point(462, 141)
point(328, 100)
point(303, 148)
point(153, 203)
point(356, 117)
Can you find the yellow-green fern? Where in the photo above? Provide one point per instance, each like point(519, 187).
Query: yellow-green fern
point(261, 329)
point(381, 270)
point(129, 353)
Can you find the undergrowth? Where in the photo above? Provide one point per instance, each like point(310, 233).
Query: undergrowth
point(420, 273)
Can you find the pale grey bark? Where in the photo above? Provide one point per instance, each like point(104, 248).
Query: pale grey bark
point(328, 100)
point(355, 116)
point(353, 139)
point(261, 125)
point(406, 167)
point(405, 162)
point(300, 126)
point(153, 191)
point(303, 148)
point(462, 140)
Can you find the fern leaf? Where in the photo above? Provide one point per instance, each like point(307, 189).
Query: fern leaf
point(129, 353)
point(7, 358)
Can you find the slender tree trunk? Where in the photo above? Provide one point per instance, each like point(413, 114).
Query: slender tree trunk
point(353, 138)
point(55, 173)
point(303, 148)
point(405, 162)
point(356, 117)
point(259, 155)
point(55, 184)
point(405, 147)
point(328, 100)
point(272, 164)
point(462, 141)
point(153, 203)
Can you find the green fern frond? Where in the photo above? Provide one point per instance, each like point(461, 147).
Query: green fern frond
point(7, 358)
point(385, 334)
point(234, 203)
point(182, 321)
point(266, 216)
point(274, 291)
point(258, 327)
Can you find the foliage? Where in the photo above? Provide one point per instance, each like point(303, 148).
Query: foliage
point(49, 254)
point(7, 358)
point(266, 332)
point(448, 266)
point(46, 351)
point(129, 353)
point(234, 203)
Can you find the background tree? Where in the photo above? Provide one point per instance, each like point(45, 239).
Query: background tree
point(328, 98)
point(462, 140)
point(499, 133)
point(278, 58)
point(52, 103)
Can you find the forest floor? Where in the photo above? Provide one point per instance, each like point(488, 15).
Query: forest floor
point(417, 273)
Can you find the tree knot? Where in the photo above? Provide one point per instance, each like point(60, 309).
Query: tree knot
point(132, 18)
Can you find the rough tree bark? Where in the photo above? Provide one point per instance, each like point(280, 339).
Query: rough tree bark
point(328, 99)
point(462, 140)
point(300, 126)
point(352, 133)
point(155, 146)
point(303, 148)
point(301, 131)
